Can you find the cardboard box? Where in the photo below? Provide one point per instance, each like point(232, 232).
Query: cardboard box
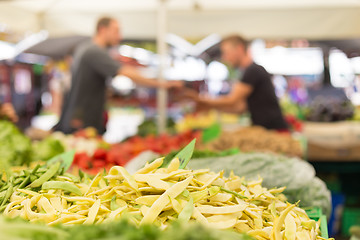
point(321, 153)
point(338, 141)
point(338, 135)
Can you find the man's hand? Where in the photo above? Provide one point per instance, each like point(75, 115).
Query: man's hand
point(174, 84)
point(8, 111)
point(188, 93)
point(202, 107)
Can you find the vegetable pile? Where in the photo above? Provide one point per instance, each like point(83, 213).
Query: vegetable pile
point(79, 141)
point(156, 195)
point(276, 170)
point(255, 139)
point(121, 153)
point(15, 148)
point(330, 109)
point(118, 230)
point(46, 149)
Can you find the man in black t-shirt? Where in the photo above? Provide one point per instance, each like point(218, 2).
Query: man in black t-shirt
point(92, 66)
point(253, 92)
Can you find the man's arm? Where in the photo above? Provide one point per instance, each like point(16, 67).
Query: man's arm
point(238, 108)
point(133, 74)
point(236, 99)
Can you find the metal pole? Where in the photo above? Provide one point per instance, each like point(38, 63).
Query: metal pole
point(162, 53)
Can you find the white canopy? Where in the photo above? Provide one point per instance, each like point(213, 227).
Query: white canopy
point(313, 19)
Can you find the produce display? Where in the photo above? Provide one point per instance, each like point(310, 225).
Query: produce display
point(205, 120)
point(149, 127)
point(84, 141)
point(116, 230)
point(255, 139)
point(294, 124)
point(121, 153)
point(153, 195)
point(276, 170)
point(330, 109)
point(16, 149)
point(290, 108)
point(45, 149)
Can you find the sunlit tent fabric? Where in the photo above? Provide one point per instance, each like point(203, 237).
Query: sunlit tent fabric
point(314, 19)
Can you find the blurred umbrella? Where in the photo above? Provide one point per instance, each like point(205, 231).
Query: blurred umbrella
point(351, 47)
point(57, 47)
point(7, 50)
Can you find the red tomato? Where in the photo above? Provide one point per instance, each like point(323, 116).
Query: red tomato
point(100, 154)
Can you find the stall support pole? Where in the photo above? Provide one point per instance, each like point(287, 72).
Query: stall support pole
point(162, 53)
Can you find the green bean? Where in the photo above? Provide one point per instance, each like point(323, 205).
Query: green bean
point(187, 211)
point(81, 174)
point(35, 169)
point(24, 182)
point(233, 193)
point(73, 178)
point(46, 176)
point(5, 187)
point(62, 170)
point(66, 186)
point(18, 181)
point(11, 179)
point(33, 178)
point(26, 173)
point(7, 195)
point(113, 205)
point(2, 195)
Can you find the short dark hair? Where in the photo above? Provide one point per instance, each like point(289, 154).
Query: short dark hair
point(236, 40)
point(103, 22)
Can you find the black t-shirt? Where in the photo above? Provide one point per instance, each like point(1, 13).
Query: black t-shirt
point(91, 67)
point(262, 103)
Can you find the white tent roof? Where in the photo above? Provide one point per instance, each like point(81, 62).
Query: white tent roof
point(314, 19)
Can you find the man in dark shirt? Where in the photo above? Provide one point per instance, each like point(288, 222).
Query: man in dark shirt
point(92, 66)
point(254, 91)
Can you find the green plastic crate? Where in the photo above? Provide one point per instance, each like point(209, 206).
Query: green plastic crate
point(351, 217)
point(316, 214)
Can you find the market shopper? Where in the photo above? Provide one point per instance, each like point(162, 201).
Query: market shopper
point(253, 92)
point(92, 66)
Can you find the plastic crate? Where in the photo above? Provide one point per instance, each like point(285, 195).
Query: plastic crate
point(351, 217)
point(316, 214)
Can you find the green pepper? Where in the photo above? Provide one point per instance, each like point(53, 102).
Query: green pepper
point(66, 186)
point(46, 176)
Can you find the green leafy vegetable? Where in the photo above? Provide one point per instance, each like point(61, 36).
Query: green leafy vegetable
point(65, 159)
point(185, 154)
point(46, 149)
point(15, 147)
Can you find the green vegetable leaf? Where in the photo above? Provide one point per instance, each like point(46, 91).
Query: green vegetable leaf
point(211, 133)
point(185, 154)
point(65, 159)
